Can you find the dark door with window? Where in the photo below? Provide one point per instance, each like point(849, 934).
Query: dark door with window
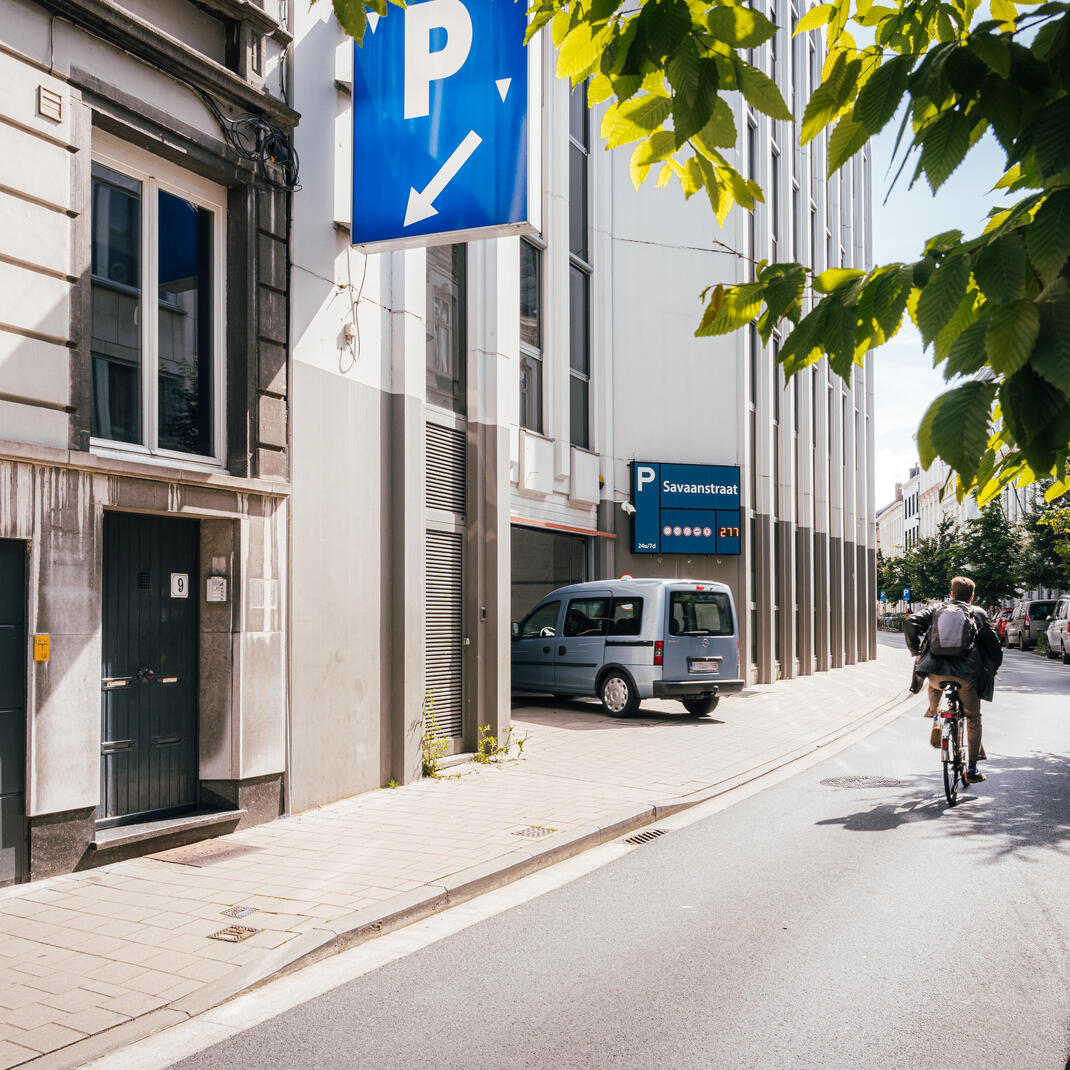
point(13, 653)
point(148, 750)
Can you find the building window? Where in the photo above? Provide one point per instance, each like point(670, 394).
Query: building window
point(579, 286)
point(530, 337)
point(156, 277)
point(752, 216)
point(446, 326)
point(774, 206)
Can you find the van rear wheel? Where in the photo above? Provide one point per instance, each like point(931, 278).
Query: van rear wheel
point(699, 707)
point(618, 694)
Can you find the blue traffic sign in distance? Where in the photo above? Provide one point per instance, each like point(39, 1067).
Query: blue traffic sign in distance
point(906, 594)
point(440, 124)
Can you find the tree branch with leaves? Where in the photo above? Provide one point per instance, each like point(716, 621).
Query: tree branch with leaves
point(993, 308)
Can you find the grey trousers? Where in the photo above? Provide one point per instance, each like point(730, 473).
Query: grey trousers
point(971, 707)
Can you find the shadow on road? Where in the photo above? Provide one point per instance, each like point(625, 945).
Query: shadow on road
point(1026, 804)
point(586, 715)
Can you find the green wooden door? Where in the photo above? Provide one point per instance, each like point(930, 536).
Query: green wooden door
point(13, 655)
point(148, 760)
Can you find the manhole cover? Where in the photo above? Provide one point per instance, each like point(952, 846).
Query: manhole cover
point(234, 934)
point(645, 837)
point(861, 782)
point(206, 853)
point(239, 912)
point(533, 832)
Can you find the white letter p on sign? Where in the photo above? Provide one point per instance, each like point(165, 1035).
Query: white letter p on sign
point(422, 66)
point(643, 476)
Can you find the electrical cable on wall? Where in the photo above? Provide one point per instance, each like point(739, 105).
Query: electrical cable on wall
point(258, 141)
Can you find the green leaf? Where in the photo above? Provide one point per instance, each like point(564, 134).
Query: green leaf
point(999, 268)
point(659, 146)
point(943, 242)
point(351, 17)
point(691, 111)
point(1051, 354)
point(1012, 333)
point(761, 92)
point(879, 98)
point(848, 137)
point(967, 354)
point(942, 295)
point(781, 293)
point(720, 131)
point(992, 51)
point(943, 146)
point(741, 27)
point(579, 52)
point(730, 308)
point(1037, 416)
point(1048, 236)
point(815, 18)
point(955, 427)
point(833, 279)
point(634, 119)
point(831, 96)
point(662, 26)
point(1050, 141)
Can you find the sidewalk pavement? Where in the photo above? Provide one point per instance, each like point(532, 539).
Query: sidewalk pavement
point(94, 960)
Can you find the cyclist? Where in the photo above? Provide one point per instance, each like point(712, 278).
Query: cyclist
point(954, 642)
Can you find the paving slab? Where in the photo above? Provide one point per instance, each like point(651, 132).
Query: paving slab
point(97, 959)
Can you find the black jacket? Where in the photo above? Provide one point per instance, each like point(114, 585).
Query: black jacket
point(978, 666)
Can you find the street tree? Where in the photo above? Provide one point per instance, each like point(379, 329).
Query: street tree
point(931, 562)
point(994, 307)
point(992, 548)
point(1046, 547)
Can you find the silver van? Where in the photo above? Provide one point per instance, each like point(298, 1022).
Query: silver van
point(627, 640)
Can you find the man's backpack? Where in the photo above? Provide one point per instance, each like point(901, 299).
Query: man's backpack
point(952, 632)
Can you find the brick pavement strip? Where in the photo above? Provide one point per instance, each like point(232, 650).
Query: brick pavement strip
point(93, 961)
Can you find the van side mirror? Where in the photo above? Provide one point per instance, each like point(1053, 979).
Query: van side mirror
point(515, 629)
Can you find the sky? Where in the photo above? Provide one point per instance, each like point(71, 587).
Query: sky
point(906, 381)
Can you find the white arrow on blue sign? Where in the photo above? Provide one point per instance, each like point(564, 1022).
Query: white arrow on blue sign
point(444, 138)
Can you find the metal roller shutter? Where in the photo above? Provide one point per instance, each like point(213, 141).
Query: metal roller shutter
point(445, 468)
point(445, 638)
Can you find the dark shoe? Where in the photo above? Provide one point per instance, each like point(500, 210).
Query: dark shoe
point(973, 777)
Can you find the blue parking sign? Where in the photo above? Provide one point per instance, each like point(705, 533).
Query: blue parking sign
point(906, 594)
point(443, 140)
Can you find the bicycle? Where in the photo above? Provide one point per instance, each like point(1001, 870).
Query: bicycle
point(952, 752)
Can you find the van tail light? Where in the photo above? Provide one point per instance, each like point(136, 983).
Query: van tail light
point(1027, 621)
point(659, 652)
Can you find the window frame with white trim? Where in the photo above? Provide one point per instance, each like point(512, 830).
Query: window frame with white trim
point(150, 176)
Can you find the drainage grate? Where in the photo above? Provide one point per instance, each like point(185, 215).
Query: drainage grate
point(239, 912)
point(861, 782)
point(533, 832)
point(645, 837)
point(234, 934)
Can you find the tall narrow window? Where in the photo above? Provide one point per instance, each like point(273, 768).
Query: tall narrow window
point(579, 270)
point(156, 324)
point(530, 337)
point(774, 221)
point(446, 327)
point(752, 216)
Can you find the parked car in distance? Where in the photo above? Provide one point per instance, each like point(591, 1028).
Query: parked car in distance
point(1029, 619)
point(1058, 625)
point(627, 640)
point(1000, 625)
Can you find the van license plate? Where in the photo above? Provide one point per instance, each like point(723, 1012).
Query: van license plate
point(703, 664)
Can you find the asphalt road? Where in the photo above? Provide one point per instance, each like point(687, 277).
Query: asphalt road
point(806, 926)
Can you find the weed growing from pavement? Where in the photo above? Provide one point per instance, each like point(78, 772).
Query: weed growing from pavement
point(433, 745)
point(491, 750)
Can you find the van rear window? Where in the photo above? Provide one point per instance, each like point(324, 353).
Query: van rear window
point(700, 613)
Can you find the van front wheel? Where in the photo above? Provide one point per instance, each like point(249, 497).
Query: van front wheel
point(699, 707)
point(619, 697)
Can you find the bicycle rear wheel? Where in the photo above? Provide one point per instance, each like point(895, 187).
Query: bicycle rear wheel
point(953, 766)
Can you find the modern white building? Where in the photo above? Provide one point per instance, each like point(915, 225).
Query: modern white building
point(465, 419)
